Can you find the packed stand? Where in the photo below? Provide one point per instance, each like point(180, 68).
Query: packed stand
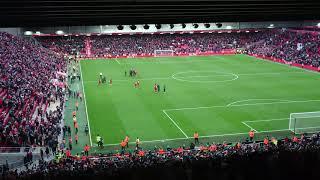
point(26, 91)
point(63, 44)
point(215, 160)
point(146, 44)
point(296, 47)
point(125, 45)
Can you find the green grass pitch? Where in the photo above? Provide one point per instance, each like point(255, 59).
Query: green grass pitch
point(214, 95)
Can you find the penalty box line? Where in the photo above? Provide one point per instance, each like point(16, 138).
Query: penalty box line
point(175, 123)
point(251, 128)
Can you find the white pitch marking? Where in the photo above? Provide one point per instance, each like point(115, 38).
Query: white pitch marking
point(117, 61)
point(206, 76)
point(307, 112)
point(267, 120)
point(253, 104)
point(235, 77)
point(85, 105)
point(251, 128)
point(271, 73)
point(175, 123)
point(246, 100)
point(276, 130)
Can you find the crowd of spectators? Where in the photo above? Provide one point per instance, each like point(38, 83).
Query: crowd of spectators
point(249, 160)
point(289, 45)
point(63, 44)
point(293, 46)
point(146, 44)
point(26, 91)
point(179, 43)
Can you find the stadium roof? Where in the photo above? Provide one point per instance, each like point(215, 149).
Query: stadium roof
point(97, 12)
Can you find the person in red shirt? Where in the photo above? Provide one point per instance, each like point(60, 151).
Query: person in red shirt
point(86, 149)
point(196, 137)
point(123, 145)
point(126, 140)
point(76, 138)
point(266, 141)
point(213, 148)
point(68, 153)
point(76, 126)
point(180, 150)
point(141, 153)
point(161, 151)
point(203, 148)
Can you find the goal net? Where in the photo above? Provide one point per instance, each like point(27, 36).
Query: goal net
point(163, 53)
point(304, 122)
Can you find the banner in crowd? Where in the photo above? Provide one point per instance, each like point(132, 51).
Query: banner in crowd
point(61, 74)
point(57, 83)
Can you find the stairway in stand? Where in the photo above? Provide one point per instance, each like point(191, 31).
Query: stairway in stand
point(88, 47)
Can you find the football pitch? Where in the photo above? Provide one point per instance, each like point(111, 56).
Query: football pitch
point(217, 96)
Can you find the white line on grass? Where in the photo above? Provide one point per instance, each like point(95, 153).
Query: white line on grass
point(306, 112)
point(175, 123)
point(276, 130)
point(253, 104)
point(85, 105)
point(270, 73)
point(246, 133)
point(246, 100)
point(251, 128)
point(267, 120)
point(246, 74)
point(117, 61)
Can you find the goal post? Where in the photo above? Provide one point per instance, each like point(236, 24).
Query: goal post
point(304, 122)
point(163, 53)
